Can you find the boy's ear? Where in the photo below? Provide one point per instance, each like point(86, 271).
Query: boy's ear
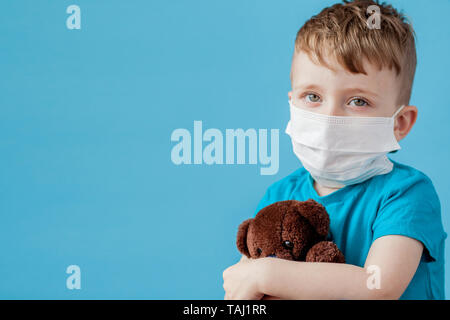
point(405, 121)
point(242, 237)
point(290, 95)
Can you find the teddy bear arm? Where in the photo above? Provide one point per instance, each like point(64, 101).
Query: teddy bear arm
point(325, 251)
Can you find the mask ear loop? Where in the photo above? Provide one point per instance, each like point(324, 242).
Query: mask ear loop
point(398, 111)
point(393, 117)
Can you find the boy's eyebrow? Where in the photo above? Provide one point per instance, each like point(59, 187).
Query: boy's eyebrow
point(364, 91)
point(308, 87)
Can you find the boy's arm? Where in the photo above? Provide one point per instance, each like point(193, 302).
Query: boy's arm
point(395, 257)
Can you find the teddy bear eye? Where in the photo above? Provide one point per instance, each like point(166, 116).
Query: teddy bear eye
point(259, 250)
point(287, 244)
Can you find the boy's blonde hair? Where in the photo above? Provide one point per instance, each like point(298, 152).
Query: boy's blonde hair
point(342, 32)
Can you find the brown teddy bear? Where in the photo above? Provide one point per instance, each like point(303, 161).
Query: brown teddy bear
point(291, 229)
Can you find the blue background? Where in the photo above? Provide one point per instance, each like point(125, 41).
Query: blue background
point(85, 123)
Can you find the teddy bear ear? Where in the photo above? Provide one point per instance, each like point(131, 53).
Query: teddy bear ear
point(316, 214)
point(242, 237)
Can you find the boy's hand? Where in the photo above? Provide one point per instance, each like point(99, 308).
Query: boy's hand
point(242, 280)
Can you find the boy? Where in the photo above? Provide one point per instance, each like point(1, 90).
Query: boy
point(349, 105)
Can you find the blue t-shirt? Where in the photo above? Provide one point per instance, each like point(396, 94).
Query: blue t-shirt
point(402, 202)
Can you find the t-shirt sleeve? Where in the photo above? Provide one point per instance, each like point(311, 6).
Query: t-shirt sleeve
point(412, 209)
point(278, 191)
point(265, 201)
point(283, 189)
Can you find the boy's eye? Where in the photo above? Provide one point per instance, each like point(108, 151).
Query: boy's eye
point(311, 97)
point(358, 102)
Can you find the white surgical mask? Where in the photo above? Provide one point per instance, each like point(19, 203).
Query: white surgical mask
point(339, 150)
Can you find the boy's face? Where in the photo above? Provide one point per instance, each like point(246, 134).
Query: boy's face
point(339, 92)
